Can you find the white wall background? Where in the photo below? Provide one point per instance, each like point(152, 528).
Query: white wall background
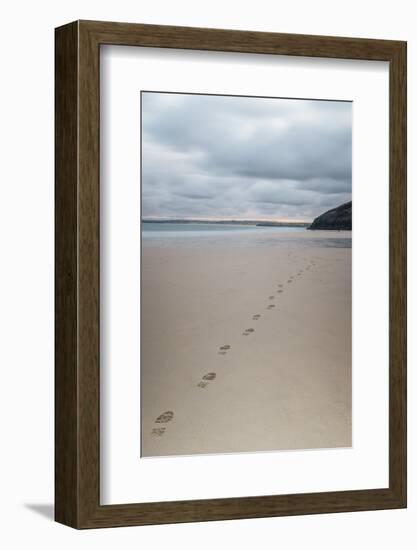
point(26, 272)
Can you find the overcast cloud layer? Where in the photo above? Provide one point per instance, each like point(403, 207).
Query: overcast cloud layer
point(244, 158)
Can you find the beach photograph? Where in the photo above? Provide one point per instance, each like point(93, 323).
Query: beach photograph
point(246, 274)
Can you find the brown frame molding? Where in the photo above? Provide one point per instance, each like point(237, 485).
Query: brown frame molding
point(77, 467)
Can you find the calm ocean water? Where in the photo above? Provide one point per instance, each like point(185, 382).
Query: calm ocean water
point(200, 234)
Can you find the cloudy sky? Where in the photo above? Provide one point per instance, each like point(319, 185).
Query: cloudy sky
point(244, 158)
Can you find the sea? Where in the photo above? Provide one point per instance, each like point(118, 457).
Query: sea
point(238, 235)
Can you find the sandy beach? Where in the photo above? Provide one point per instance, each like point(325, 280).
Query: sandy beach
point(282, 315)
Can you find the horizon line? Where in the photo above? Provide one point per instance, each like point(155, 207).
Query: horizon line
point(218, 220)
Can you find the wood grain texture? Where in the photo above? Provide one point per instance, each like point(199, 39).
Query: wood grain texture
point(66, 237)
point(78, 285)
point(398, 273)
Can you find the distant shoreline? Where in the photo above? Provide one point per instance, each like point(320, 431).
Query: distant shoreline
point(233, 222)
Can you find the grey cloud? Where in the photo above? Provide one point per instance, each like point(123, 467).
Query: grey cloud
point(220, 156)
point(327, 185)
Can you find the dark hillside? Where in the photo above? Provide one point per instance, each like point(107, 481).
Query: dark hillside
point(337, 218)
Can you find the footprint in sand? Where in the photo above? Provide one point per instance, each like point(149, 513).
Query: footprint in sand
point(289, 281)
point(165, 417)
point(271, 306)
point(158, 431)
point(256, 317)
point(223, 349)
point(248, 331)
point(271, 297)
point(206, 379)
point(280, 291)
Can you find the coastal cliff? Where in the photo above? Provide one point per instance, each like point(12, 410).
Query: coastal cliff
point(338, 218)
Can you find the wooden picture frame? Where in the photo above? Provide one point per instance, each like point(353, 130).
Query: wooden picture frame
point(77, 382)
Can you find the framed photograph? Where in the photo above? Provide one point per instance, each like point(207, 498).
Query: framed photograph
point(230, 274)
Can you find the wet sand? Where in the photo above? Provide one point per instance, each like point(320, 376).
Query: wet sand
point(245, 349)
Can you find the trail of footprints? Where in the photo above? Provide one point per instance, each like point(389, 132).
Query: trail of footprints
point(168, 416)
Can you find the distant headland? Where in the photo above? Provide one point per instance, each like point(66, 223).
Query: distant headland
point(339, 218)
